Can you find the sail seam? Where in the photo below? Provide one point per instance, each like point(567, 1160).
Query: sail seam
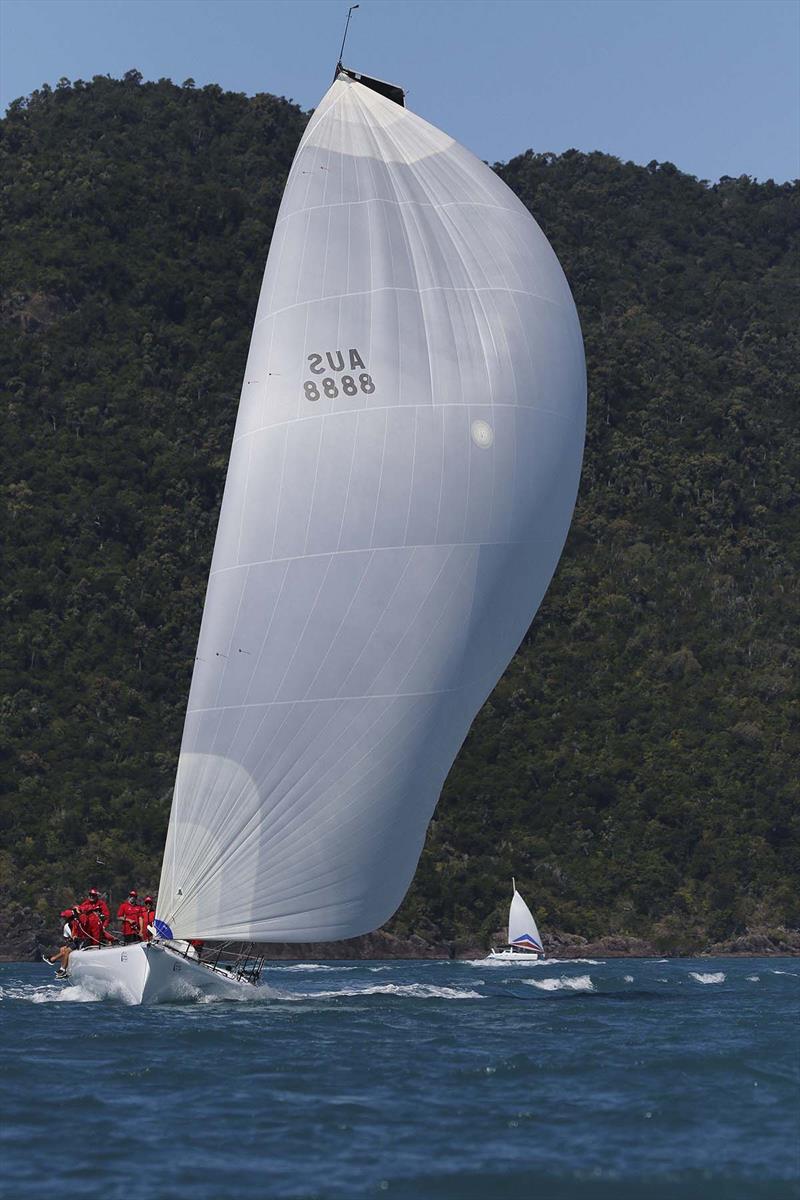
point(402, 203)
point(369, 550)
point(331, 699)
point(344, 412)
point(438, 287)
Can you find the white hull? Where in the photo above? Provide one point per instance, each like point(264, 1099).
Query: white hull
point(151, 973)
point(518, 955)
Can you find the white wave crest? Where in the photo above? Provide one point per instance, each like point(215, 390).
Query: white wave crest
point(628, 978)
point(708, 976)
point(50, 993)
point(309, 967)
point(573, 983)
point(793, 974)
point(415, 991)
point(753, 978)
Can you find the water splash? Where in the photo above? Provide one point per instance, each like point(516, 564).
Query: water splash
point(50, 993)
point(709, 976)
point(572, 983)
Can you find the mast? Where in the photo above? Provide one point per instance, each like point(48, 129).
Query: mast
point(350, 12)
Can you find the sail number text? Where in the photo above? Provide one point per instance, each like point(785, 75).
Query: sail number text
point(350, 376)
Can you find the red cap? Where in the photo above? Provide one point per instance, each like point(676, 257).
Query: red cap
point(148, 899)
point(93, 892)
point(133, 892)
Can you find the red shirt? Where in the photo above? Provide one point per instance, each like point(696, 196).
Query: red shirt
point(94, 928)
point(74, 922)
point(130, 915)
point(98, 902)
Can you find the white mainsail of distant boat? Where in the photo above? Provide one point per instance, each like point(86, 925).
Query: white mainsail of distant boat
point(523, 936)
point(402, 478)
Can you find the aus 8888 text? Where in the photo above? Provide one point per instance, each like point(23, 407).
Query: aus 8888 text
point(346, 384)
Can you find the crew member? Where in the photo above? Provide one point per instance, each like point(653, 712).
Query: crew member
point(95, 931)
point(149, 916)
point(75, 919)
point(130, 914)
point(95, 900)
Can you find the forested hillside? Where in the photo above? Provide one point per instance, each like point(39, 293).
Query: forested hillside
point(634, 767)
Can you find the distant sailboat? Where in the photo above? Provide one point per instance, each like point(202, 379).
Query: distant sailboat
point(402, 478)
point(523, 936)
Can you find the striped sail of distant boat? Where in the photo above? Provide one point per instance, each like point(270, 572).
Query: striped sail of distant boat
point(522, 931)
point(402, 478)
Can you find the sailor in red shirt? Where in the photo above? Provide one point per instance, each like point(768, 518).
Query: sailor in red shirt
point(95, 900)
point(130, 913)
point(149, 915)
point(95, 930)
point(72, 919)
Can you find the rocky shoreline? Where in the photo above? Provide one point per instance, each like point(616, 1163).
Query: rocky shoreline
point(24, 933)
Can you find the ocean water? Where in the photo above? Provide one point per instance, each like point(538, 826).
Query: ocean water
point(495, 1081)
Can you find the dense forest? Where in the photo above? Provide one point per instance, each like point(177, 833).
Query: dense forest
point(634, 767)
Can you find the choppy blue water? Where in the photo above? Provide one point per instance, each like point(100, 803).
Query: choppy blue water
point(413, 1080)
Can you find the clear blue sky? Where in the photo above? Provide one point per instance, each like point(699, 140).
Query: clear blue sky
point(711, 85)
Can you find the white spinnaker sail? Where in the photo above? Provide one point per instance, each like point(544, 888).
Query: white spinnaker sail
point(522, 929)
point(402, 477)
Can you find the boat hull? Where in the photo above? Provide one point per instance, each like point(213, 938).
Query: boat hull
point(151, 973)
point(517, 955)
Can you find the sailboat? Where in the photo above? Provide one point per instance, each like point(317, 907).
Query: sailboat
point(524, 942)
point(401, 481)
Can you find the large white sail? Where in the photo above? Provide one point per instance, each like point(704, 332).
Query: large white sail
point(402, 478)
point(522, 931)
